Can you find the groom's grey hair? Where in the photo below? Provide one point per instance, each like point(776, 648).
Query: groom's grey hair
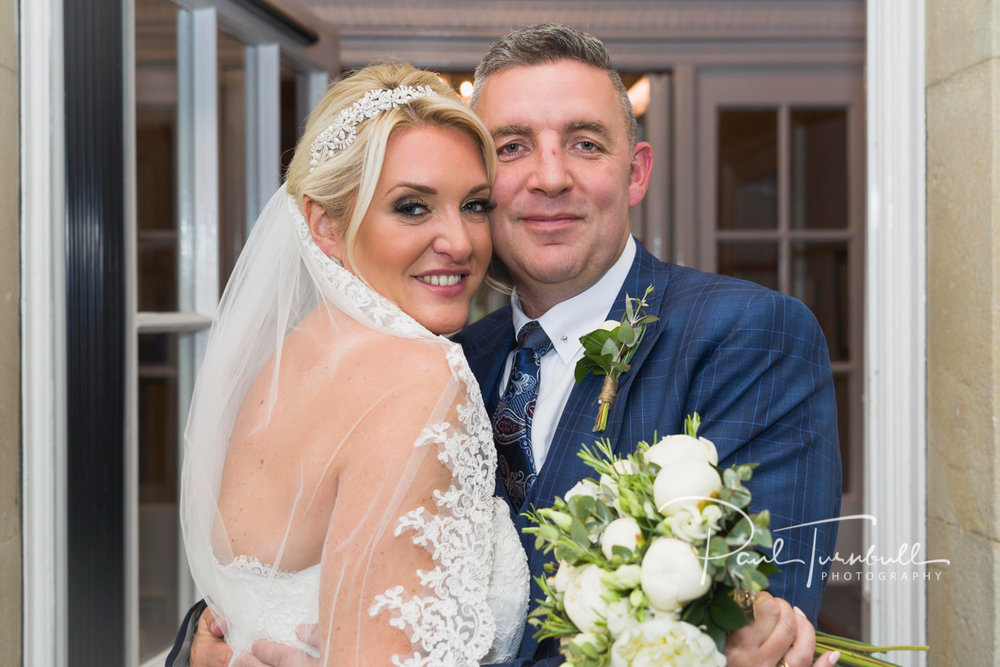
point(546, 43)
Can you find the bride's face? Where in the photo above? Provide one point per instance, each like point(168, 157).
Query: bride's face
point(425, 241)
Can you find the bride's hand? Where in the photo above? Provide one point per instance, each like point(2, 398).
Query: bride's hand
point(208, 648)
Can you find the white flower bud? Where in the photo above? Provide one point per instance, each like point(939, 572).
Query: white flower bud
point(609, 325)
point(563, 576)
point(582, 488)
point(624, 532)
point(685, 483)
point(674, 448)
point(583, 598)
point(672, 574)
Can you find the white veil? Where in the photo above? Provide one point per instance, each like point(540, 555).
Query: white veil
point(335, 470)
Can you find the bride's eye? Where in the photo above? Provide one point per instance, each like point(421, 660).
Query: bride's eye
point(411, 208)
point(478, 207)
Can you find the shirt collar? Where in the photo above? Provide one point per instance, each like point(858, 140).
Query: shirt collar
point(566, 321)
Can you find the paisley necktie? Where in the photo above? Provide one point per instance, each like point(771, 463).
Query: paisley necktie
point(512, 418)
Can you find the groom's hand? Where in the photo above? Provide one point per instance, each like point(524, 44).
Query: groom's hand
point(208, 648)
point(272, 654)
point(778, 633)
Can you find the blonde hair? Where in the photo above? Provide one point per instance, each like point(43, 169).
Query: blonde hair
point(344, 183)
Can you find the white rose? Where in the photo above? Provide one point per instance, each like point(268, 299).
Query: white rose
point(686, 524)
point(672, 574)
point(674, 448)
point(624, 532)
point(609, 325)
point(683, 483)
point(583, 598)
point(663, 641)
point(564, 575)
point(583, 488)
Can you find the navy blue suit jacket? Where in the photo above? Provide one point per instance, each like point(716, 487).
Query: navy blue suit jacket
point(752, 362)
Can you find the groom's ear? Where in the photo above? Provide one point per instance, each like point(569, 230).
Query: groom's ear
point(323, 229)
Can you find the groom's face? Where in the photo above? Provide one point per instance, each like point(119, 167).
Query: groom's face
point(565, 180)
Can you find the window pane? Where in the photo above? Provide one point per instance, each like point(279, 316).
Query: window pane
point(159, 538)
point(156, 148)
point(748, 169)
point(819, 279)
point(291, 125)
point(819, 169)
point(232, 153)
point(756, 262)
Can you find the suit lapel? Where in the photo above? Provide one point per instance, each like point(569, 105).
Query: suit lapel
point(486, 349)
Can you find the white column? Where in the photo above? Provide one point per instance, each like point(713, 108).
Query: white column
point(311, 88)
point(43, 334)
point(198, 208)
point(198, 161)
point(895, 433)
point(263, 127)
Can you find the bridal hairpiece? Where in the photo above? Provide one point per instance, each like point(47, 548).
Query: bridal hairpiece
point(344, 129)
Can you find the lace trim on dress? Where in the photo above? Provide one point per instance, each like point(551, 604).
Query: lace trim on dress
point(454, 625)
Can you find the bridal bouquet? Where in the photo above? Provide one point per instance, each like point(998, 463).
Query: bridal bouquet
point(649, 555)
point(657, 559)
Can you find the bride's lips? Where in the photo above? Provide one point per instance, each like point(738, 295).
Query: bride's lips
point(446, 283)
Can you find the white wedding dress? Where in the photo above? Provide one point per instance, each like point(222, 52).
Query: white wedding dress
point(470, 607)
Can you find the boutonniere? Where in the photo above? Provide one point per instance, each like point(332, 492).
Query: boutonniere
point(608, 350)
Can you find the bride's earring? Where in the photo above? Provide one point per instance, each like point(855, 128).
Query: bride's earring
point(336, 260)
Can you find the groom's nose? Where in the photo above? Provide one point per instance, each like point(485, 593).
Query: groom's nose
point(549, 173)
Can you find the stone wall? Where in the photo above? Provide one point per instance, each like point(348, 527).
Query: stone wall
point(963, 328)
point(10, 344)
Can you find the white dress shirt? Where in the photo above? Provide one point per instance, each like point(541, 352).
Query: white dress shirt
point(564, 323)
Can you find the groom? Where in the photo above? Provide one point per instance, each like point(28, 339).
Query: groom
point(752, 362)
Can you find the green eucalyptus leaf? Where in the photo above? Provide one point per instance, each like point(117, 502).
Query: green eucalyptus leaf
point(579, 533)
point(630, 336)
point(610, 348)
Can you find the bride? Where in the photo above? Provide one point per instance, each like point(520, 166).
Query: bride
point(339, 466)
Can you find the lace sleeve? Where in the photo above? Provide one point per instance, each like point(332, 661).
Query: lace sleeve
point(441, 606)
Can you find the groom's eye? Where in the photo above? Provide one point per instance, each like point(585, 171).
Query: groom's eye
point(509, 149)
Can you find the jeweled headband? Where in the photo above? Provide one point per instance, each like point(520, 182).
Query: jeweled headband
point(344, 129)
